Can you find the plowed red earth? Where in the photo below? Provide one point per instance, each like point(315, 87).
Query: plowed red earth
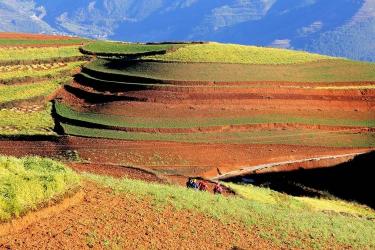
point(108, 220)
point(169, 157)
point(354, 100)
point(20, 36)
point(117, 171)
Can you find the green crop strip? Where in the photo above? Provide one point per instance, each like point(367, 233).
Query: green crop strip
point(137, 122)
point(287, 137)
point(233, 53)
point(116, 48)
point(27, 182)
point(16, 122)
point(278, 222)
point(11, 54)
point(320, 71)
point(28, 91)
point(30, 72)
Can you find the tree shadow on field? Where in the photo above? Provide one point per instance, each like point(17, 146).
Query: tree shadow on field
point(352, 180)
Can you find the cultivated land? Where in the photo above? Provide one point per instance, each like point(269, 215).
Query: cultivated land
point(157, 113)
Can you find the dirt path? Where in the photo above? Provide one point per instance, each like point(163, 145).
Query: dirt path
point(108, 220)
point(253, 169)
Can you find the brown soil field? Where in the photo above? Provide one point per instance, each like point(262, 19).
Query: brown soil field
point(35, 46)
point(208, 73)
point(117, 171)
point(106, 219)
point(185, 159)
point(276, 91)
point(259, 99)
point(20, 36)
point(161, 110)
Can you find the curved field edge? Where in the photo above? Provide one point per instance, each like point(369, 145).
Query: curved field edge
point(271, 137)
point(121, 86)
point(27, 183)
point(161, 72)
point(109, 49)
point(138, 122)
point(279, 222)
point(234, 53)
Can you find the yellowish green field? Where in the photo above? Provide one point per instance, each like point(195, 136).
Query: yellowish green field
point(268, 196)
point(30, 72)
point(16, 122)
point(279, 218)
point(233, 53)
point(123, 49)
point(26, 183)
point(28, 91)
point(12, 54)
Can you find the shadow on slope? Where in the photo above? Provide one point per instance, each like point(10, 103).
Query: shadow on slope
point(352, 180)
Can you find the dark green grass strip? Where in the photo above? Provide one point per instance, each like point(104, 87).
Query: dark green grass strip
point(272, 137)
point(322, 71)
point(135, 122)
point(105, 48)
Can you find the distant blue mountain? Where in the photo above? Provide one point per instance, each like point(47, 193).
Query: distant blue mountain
point(335, 27)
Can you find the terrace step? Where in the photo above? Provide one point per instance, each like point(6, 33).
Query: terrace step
point(67, 115)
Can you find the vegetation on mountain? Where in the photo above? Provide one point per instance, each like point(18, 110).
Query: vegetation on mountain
point(286, 220)
point(319, 71)
point(233, 53)
point(270, 137)
point(199, 122)
point(107, 48)
point(16, 121)
point(11, 54)
point(30, 42)
point(28, 182)
point(24, 73)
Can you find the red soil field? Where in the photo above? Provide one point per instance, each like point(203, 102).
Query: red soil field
point(21, 36)
point(117, 171)
point(128, 222)
point(185, 159)
point(248, 98)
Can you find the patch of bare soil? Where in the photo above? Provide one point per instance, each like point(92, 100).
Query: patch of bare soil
point(290, 99)
point(109, 220)
point(186, 159)
point(14, 35)
point(117, 171)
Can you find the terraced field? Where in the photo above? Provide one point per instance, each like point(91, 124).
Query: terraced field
point(217, 95)
point(190, 93)
point(32, 69)
point(162, 112)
